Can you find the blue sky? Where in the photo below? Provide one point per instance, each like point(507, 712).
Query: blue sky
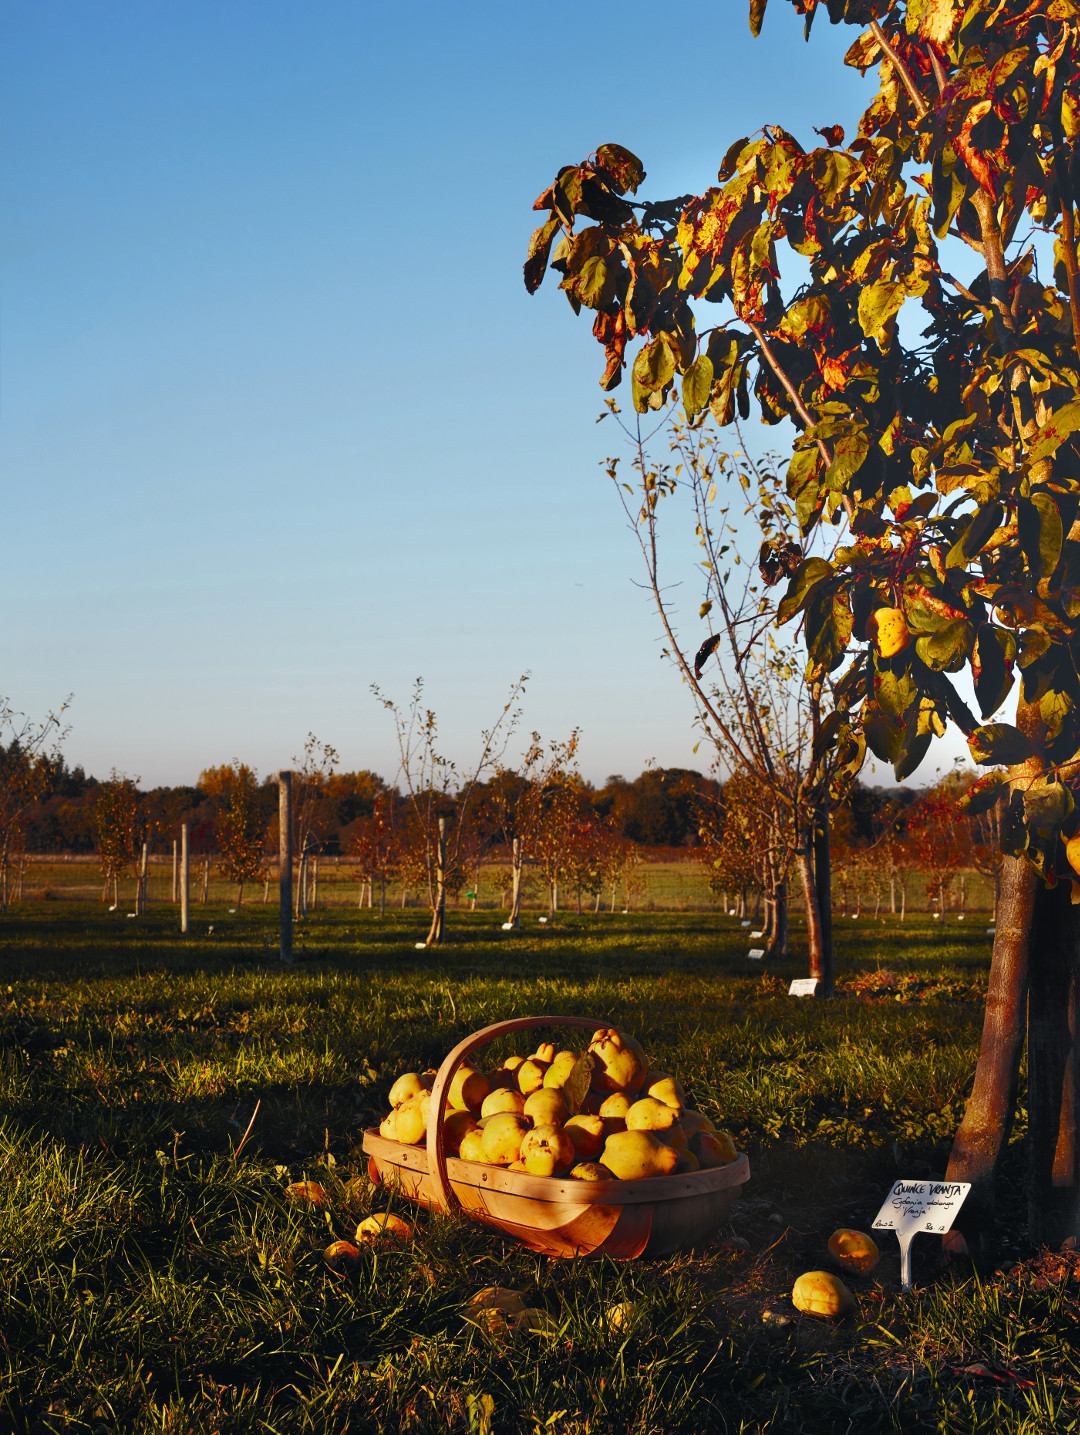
point(277, 418)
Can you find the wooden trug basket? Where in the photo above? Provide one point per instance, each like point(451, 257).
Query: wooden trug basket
point(555, 1217)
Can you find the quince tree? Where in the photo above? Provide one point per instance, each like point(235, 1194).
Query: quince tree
point(910, 300)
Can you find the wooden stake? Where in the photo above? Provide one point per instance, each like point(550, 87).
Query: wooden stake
point(140, 901)
point(175, 872)
point(285, 862)
point(185, 877)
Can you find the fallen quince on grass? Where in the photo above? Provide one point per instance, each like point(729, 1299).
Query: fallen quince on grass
point(341, 1253)
point(386, 1227)
point(307, 1193)
point(821, 1293)
point(854, 1250)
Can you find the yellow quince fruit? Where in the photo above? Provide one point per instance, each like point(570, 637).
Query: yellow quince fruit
point(854, 1250)
point(636, 1155)
point(821, 1293)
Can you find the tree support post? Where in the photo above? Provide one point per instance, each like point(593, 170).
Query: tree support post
point(285, 863)
point(185, 878)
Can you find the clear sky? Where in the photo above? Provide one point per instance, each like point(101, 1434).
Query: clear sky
point(277, 418)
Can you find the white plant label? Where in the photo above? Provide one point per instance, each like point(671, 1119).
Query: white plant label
point(803, 987)
point(744, 924)
point(756, 953)
point(914, 1206)
point(757, 934)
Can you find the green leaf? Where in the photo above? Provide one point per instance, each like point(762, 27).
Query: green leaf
point(576, 1086)
point(625, 168)
point(999, 743)
point(828, 627)
point(984, 522)
point(948, 190)
point(994, 650)
point(825, 734)
point(945, 650)
point(984, 793)
point(1053, 434)
point(912, 751)
point(1040, 531)
point(894, 692)
point(593, 283)
point(539, 245)
point(1046, 806)
point(697, 385)
point(654, 366)
point(849, 447)
point(877, 305)
point(882, 732)
point(809, 574)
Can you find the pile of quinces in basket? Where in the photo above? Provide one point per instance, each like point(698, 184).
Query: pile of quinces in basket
point(592, 1115)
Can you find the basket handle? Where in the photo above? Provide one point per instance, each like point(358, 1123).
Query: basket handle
point(444, 1198)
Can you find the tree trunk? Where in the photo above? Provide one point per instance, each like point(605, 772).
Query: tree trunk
point(206, 880)
point(175, 873)
point(984, 1132)
point(903, 899)
point(892, 895)
point(239, 895)
point(515, 883)
point(438, 906)
point(315, 886)
point(596, 908)
point(382, 894)
point(1053, 1085)
point(775, 933)
point(814, 935)
point(823, 889)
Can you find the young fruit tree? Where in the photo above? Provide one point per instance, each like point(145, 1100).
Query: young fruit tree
point(122, 826)
point(241, 824)
point(910, 301)
point(440, 800)
point(29, 764)
point(756, 704)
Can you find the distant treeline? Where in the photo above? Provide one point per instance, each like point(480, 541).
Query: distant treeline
point(659, 808)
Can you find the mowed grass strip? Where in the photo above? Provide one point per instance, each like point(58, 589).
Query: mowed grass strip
point(153, 1279)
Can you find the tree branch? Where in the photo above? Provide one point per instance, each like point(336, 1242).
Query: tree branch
point(1068, 235)
point(901, 69)
point(800, 408)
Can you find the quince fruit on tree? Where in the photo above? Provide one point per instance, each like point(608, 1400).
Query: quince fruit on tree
point(888, 627)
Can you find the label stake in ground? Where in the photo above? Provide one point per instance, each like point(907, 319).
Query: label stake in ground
point(803, 987)
point(914, 1206)
point(756, 953)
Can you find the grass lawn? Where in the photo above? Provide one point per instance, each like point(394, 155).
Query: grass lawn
point(155, 1278)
